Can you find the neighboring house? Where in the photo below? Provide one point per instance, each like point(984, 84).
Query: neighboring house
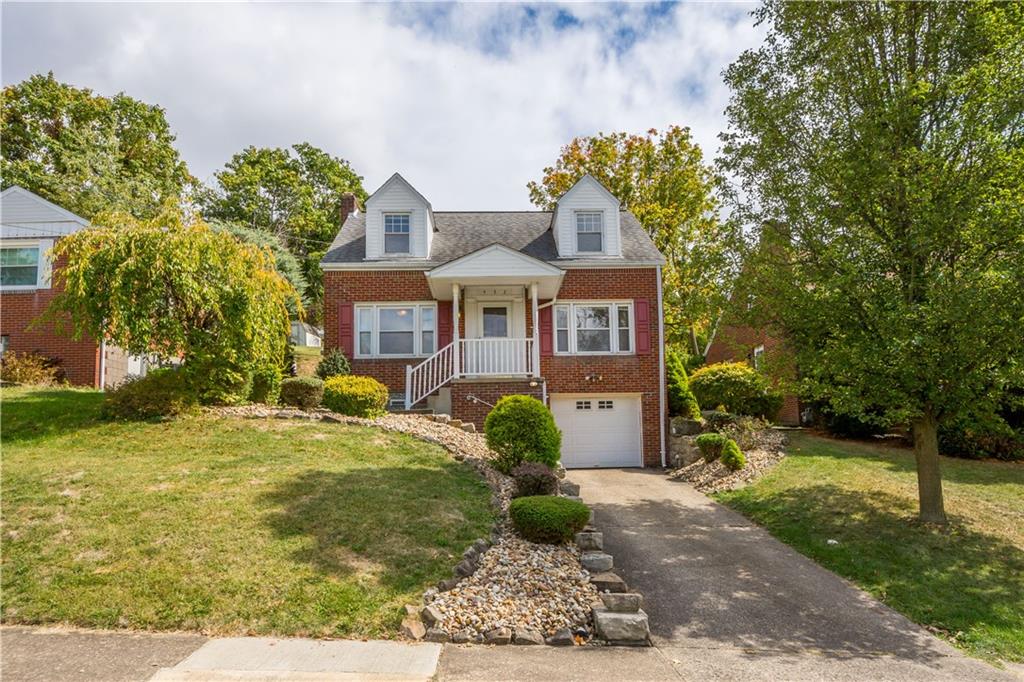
point(305, 334)
point(29, 227)
point(760, 348)
point(453, 310)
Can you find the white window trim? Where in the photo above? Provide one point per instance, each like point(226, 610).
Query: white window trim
point(43, 268)
point(576, 232)
point(384, 234)
point(375, 328)
point(613, 329)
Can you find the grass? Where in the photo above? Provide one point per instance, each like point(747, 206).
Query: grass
point(965, 582)
point(306, 360)
point(225, 526)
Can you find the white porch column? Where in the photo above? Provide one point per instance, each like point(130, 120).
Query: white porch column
point(535, 351)
point(457, 355)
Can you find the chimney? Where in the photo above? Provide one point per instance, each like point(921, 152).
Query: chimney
point(349, 206)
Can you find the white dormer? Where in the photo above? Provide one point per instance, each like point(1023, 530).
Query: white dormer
point(399, 222)
point(586, 221)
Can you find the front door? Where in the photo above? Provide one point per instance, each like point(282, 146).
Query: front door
point(493, 350)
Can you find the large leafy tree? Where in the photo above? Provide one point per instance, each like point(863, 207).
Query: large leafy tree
point(175, 287)
point(86, 152)
point(293, 194)
point(881, 147)
point(663, 180)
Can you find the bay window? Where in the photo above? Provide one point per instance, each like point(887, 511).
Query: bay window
point(395, 329)
point(594, 328)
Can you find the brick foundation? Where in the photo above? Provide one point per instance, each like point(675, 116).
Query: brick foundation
point(487, 391)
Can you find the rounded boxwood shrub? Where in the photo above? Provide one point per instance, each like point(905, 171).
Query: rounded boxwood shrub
point(680, 398)
point(732, 457)
point(548, 519)
point(333, 364)
point(710, 445)
point(161, 393)
point(521, 429)
point(355, 396)
point(304, 392)
point(738, 387)
point(534, 478)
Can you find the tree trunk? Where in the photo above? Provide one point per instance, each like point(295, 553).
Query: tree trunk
point(693, 341)
point(929, 480)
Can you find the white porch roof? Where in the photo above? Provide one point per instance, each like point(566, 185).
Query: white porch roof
point(495, 265)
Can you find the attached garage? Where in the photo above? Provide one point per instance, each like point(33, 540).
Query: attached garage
point(599, 430)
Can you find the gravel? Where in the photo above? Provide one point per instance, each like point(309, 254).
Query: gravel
point(713, 477)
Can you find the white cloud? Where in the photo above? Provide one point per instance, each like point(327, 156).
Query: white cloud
point(469, 102)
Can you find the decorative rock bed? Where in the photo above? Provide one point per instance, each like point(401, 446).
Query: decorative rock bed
point(505, 590)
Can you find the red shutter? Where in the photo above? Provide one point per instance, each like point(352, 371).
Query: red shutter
point(346, 335)
point(444, 324)
point(545, 331)
point(642, 315)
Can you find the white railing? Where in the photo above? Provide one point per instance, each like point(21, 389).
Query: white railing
point(468, 357)
point(430, 375)
point(496, 357)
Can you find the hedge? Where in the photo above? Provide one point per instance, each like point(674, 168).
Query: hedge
point(304, 392)
point(738, 387)
point(548, 519)
point(355, 396)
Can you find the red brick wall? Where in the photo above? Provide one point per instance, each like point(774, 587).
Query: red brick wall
point(563, 374)
point(488, 391)
point(79, 359)
point(734, 343)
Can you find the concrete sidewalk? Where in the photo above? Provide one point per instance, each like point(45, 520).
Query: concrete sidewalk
point(70, 655)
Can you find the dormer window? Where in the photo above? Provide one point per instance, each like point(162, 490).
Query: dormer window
point(396, 233)
point(589, 232)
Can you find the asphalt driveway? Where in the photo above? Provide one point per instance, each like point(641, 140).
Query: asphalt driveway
point(728, 601)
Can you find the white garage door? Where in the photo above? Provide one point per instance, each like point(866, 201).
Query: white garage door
point(598, 431)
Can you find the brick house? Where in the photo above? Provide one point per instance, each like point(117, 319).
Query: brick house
point(738, 343)
point(29, 227)
point(452, 310)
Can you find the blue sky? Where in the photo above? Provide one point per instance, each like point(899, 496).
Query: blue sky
point(468, 101)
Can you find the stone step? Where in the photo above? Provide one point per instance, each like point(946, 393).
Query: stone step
point(608, 582)
point(622, 602)
point(590, 540)
point(621, 628)
point(597, 562)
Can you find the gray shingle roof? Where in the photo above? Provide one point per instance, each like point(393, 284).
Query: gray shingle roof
point(460, 233)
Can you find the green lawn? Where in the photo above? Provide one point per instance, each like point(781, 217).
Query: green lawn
point(306, 360)
point(966, 582)
point(225, 526)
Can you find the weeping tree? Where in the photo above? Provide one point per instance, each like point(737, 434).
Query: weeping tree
point(174, 287)
point(881, 148)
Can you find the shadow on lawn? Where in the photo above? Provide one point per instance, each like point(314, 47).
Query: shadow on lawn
point(46, 413)
point(404, 527)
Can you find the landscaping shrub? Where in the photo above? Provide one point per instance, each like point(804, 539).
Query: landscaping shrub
point(710, 445)
point(266, 385)
point(534, 478)
point(304, 392)
point(843, 425)
point(680, 398)
point(161, 393)
point(717, 420)
point(218, 381)
point(355, 396)
point(333, 364)
point(30, 368)
point(732, 457)
point(746, 431)
point(521, 429)
point(548, 519)
point(981, 438)
point(738, 387)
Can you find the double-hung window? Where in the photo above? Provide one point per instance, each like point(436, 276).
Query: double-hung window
point(19, 266)
point(594, 328)
point(589, 232)
point(396, 330)
point(396, 233)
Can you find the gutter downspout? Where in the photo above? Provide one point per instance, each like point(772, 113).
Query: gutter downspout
point(661, 366)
